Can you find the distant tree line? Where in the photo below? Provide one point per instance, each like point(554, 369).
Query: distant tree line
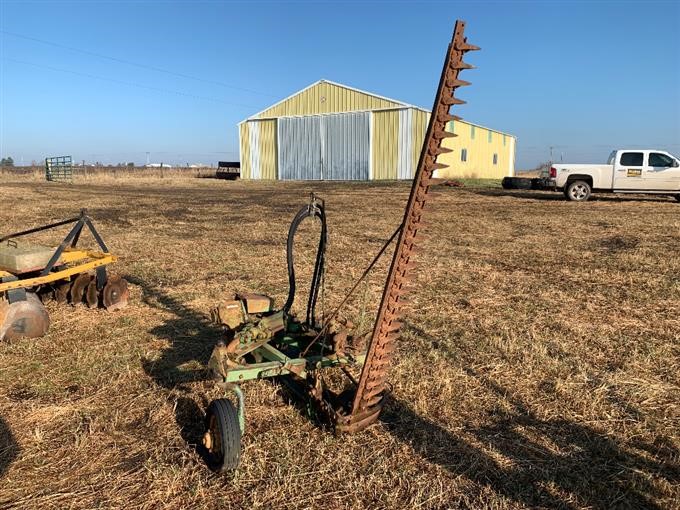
point(6, 162)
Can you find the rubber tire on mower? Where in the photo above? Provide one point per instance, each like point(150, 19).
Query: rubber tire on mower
point(578, 191)
point(516, 183)
point(221, 419)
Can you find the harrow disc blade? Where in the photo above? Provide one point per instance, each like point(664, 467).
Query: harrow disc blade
point(92, 294)
point(23, 319)
point(61, 292)
point(78, 288)
point(115, 293)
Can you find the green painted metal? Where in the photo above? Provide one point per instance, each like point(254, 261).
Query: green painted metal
point(241, 408)
point(279, 364)
point(59, 169)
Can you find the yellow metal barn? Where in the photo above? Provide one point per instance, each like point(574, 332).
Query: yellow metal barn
point(330, 131)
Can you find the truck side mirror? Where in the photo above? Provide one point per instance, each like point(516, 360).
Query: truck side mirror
point(676, 164)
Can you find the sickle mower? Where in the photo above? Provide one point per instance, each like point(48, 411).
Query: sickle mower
point(30, 273)
point(319, 360)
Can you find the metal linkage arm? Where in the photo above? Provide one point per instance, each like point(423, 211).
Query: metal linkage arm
point(71, 239)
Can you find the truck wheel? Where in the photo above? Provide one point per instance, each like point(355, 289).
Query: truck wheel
point(222, 438)
point(578, 191)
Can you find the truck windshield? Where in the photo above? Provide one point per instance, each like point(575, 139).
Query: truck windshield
point(610, 159)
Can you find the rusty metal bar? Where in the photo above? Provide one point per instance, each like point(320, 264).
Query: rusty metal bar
point(369, 395)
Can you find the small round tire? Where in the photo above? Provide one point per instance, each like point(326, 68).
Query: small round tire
point(222, 438)
point(578, 191)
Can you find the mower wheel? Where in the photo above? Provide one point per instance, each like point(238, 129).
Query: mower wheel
point(222, 438)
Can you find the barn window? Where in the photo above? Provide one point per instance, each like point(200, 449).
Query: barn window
point(450, 127)
point(472, 132)
point(495, 159)
point(463, 155)
point(489, 136)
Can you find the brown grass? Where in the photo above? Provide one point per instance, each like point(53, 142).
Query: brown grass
point(91, 174)
point(538, 368)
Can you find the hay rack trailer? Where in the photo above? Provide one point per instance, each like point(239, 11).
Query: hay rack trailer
point(262, 342)
point(30, 273)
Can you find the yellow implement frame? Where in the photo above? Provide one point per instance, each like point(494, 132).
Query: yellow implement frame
point(82, 260)
point(66, 261)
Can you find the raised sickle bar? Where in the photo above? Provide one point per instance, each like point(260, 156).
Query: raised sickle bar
point(369, 397)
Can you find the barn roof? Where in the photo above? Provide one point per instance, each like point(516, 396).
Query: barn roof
point(393, 103)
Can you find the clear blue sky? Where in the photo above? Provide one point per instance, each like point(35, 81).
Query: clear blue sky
point(582, 76)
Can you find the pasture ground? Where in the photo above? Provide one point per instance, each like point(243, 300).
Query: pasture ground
point(539, 365)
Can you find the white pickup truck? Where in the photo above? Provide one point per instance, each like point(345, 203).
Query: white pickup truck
point(627, 171)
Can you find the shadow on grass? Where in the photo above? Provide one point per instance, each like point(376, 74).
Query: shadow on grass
point(553, 463)
point(559, 197)
point(191, 335)
point(582, 468)
point(9, 449)
point(189, 416)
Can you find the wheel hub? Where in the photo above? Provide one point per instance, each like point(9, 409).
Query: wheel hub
point(579, 192)
point(115, 294)
point(207, 440)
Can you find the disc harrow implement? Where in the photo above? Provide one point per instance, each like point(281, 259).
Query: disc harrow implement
point(261, 341)
point(31, 273)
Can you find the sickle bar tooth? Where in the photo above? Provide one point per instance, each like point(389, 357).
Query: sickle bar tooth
point(465, 46)
point(460, 65)
point(394, 326)
point(445, 117)
point(440, 135)
point(370, 402)
point(442, 150)
point(449, 101)
point(457, 83)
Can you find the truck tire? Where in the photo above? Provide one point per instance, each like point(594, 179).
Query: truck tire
point(578, 191)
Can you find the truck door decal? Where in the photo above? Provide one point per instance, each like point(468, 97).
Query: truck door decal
point(634, 172)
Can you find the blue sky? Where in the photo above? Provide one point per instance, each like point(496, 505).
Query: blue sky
point(583, 77)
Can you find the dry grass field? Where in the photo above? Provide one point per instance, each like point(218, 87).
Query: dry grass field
point(539, 366)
